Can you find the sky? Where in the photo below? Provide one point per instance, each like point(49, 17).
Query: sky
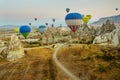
point(22, 12)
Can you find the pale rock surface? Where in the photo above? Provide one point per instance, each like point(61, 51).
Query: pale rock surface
point(112, 38)
point(16, 50)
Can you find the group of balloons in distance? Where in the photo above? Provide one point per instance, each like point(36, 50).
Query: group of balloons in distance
point(25, 29)
point(73, 21)
point(45, 23)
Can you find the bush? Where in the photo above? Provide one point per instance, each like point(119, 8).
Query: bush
point(115, 64)
point(33, 42)
point(65, 35)
point(107, 56)
point(101, 68)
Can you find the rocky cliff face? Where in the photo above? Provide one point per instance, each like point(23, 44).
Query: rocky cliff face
point(112, 38)
point(84, 31)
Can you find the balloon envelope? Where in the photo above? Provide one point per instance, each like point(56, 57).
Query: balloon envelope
point(53, 19)
point(29, 23)
point(17, 30)
point(73, 20)
point(25, 30)
point(89, 16)
point(46, 23)
point(35, 19)
point(42, 29)
point(116, 9)
point(86, 20)
point(67, 10)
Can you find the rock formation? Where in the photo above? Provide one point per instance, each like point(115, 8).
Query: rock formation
point(112, 38)
point(15, 48)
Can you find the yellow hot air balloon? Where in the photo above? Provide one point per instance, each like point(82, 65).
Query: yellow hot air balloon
point(17, 30)
point(89, 16)
point(86, 20)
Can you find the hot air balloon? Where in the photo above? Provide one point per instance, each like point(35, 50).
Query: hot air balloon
point(67, 10)
point(29, 23)
point(46, 24)
point(17, 30)
point(53, 19)
point(89, 16)
point(42, 29)
point(116, 9)
point(86, 20)
point(25, 30)
point(83, 15)
point(35, 19)
point(73, 20)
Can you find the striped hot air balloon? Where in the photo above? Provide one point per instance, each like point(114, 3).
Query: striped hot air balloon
point(73, 20)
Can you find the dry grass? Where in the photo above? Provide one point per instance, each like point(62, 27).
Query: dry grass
point(45, 53)
point(36, 65)
point(92, 62)
point(89, 62)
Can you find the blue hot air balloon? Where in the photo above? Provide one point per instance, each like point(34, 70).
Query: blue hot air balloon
point(42, 29)
point(25, 30)
point(73, 20)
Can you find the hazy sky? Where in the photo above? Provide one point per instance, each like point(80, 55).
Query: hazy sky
point(19, 12)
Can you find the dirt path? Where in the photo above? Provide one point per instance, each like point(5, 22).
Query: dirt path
point(68, 73)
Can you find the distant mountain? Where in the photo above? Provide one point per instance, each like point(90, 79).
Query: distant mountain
point(115, 19)
point(13, 26)
point(8, 26)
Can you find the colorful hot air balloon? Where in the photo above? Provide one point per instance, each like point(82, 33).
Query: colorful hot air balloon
point(86, 20)
point(73, 20)
point(25, 30)
point(42, 29)
point(17, 30)
point(67, 10)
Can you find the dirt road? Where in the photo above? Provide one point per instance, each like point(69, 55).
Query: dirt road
point(68, 73)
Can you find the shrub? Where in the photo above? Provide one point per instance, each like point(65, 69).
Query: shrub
point(107, 56)
point(101, 68)
point(115, 64)
point(33, 42)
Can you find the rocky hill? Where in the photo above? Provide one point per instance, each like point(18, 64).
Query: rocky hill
point(115, 19)
point(112, 38)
